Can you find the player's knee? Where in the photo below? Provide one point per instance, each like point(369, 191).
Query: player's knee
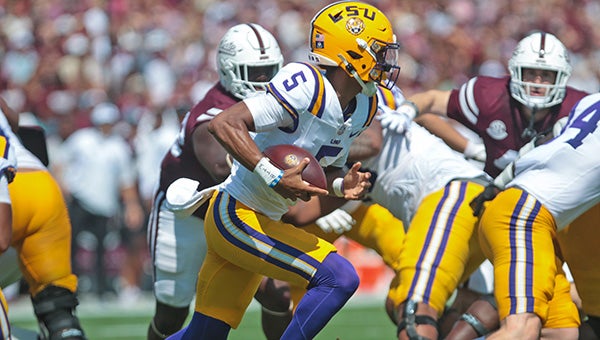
point(482, 315)
point(414, 315)
point(390, 309)
point(335, 271)
point(175, 293)
point(54, 307)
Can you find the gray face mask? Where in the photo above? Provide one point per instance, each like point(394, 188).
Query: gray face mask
point(369, 89)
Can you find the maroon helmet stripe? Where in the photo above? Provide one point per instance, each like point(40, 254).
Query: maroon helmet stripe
point(260, 41)
point(543, 45)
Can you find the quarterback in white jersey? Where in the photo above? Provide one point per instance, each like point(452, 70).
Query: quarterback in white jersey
point(553, 185)
point(310, 129)
point(322, 110)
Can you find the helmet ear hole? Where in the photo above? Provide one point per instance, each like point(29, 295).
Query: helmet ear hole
point(354, 55)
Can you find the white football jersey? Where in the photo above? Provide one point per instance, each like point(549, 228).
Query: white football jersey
point(300, 107)
point(564, 174)
point(25, 159)
point(414, 165)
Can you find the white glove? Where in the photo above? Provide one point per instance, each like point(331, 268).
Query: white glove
point(338, 221)
point(558, 126)
point(475, 151)
point(399, 120)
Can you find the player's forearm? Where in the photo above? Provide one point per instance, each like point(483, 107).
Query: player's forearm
point(440, 127)
point(432, 101)
point(233, 134)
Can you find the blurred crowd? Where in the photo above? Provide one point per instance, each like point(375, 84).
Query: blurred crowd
point(155, 58)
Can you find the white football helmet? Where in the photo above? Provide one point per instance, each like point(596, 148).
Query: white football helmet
point(247, 58)
point(542, 51)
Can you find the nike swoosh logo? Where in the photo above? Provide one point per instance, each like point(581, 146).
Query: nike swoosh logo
point(352, 134)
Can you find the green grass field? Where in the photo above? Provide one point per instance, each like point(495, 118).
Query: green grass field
point(363, 318)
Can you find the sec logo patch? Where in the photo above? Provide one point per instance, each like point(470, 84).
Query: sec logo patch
point(497, 130)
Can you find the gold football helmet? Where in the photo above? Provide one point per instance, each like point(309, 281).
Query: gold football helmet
point(359, 38)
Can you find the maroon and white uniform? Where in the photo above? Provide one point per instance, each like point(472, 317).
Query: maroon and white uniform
point(173, 238)
point(485, 105)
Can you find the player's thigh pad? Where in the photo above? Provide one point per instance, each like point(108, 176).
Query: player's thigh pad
point(243, 246)
point(179, 251)
point(512, 226)
point(42, 231)
point(439, 238)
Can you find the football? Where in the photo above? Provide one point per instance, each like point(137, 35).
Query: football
point(286, 156)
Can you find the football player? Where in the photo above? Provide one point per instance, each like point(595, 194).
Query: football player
point(518, 227)
point(8, 167)
point(506, 113)
point(41, 235)
point(322, 110)
point(248, 57)
point(373, 226)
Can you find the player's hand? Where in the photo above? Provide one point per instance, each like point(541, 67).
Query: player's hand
point(475, 151)
point(356, 183)
point(337, 221)
point(559, 125)
point(488, 194)
point(292, 185)
point(397, 121)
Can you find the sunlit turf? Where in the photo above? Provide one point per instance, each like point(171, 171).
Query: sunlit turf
point(364, 319)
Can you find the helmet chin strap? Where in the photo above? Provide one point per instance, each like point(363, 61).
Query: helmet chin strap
point(529, 131)
point(369, 88)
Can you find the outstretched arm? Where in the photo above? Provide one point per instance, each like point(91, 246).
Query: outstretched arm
point(440, 127)
point(432, 101)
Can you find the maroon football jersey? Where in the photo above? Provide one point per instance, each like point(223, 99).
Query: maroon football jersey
point(485, 105)
point(180, 160)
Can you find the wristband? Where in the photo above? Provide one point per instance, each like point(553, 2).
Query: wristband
point(338, 187)
point(268, 172)
point(408, 108)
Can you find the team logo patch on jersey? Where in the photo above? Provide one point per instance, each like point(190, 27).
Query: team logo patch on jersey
point(497, 130)
point(355, 26)
point(291, 160)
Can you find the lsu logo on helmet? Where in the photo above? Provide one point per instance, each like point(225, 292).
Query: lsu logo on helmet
point(355, 26)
